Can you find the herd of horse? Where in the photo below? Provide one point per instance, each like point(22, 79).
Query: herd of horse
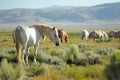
point(29, 36)
point(100, 34)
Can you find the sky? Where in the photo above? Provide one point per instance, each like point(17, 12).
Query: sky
point(36, 4)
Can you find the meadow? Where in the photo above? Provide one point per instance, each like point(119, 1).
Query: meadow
point(75, 60)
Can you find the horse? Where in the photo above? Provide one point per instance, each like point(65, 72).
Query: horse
point(84, 34)
point(29, 36)
point(63, 35)
point(98, 35)
point(114, 34)
point(13, 35)
point(105, 34)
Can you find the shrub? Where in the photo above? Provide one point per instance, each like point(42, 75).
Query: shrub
point(10, 72)
point(105, 51)
point(74, 49)
point(5, 54)
point(43, 57)
point(71, 54)
point(61, 53)
point(81, 59)
point(94, 58)
point(115, 60)
point(35, 70)
point(47, 58)
point(84, 48)
point(7, 71)
point(113, 69)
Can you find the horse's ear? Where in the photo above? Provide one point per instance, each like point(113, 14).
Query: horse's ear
point(19, 27)
point(54, 28)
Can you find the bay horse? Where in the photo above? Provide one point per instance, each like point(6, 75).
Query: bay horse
point(63, 35)
point(84, 34)
point(29, 36)
point(114, 34)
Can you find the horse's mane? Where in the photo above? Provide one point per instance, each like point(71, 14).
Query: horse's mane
point(44, 30)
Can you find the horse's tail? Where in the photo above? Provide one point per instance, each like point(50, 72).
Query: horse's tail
point(17, 42)
point(66, 38)
point(13, 36)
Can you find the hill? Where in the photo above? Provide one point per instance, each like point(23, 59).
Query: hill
point(104, 12)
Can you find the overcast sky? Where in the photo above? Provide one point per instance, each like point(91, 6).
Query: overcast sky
point(10, 4)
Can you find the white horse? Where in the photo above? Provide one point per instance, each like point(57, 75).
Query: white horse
point(104, 34)
point(30, 36)
point(84, 34)
point(98, 35)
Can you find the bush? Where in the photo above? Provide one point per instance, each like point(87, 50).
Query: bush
point(35, 70)
point(113, 69)
point(61, 53)
point(84, 48)
point(71, 54)
point(105, 51)
point(47, 58)
point(4, 54)
point(115, 60)
point(10, 72)
point(94, 58)
point(81, 59)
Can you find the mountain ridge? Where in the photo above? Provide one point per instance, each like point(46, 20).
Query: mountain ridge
point(103, 12)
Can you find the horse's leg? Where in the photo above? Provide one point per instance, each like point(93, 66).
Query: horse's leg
point(44, 37)
point(62, 39)
point(35, 51)
point(23, 52)
point(102, 38)
point(27, 54)
point(66, 39)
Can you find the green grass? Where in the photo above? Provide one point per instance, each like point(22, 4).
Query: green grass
point(88, 60)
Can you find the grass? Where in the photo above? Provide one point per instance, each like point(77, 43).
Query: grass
point(89, 60)
point(9, 71)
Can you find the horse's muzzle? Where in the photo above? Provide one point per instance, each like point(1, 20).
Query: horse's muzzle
point(57, 44)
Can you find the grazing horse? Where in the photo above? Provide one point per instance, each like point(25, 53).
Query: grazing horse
point(84, 34)
point(105, 34)
point(98, 35)
point(114, 34)
point(13, 35)
point(63, 35)
point(30, 36)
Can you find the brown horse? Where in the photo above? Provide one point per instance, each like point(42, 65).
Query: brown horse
point(114, 34)
point(63, 35)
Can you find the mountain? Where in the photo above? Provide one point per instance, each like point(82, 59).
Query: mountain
point(104, 12)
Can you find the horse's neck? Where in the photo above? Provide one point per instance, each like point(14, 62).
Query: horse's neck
point(43, 30)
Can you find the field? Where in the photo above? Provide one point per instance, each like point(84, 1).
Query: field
point(75, 60)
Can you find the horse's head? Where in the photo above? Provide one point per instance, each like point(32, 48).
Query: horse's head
point(54, 36)
point(91, 35)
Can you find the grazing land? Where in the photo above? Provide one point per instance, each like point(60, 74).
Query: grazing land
point(75, 60)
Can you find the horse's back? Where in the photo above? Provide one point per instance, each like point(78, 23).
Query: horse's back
point(62, 32)
point(84, 33)
point(29, 35)
point(112, 33)
point(34, 36)
point(63, 35)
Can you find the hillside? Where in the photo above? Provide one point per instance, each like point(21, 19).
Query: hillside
point(104, 12)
